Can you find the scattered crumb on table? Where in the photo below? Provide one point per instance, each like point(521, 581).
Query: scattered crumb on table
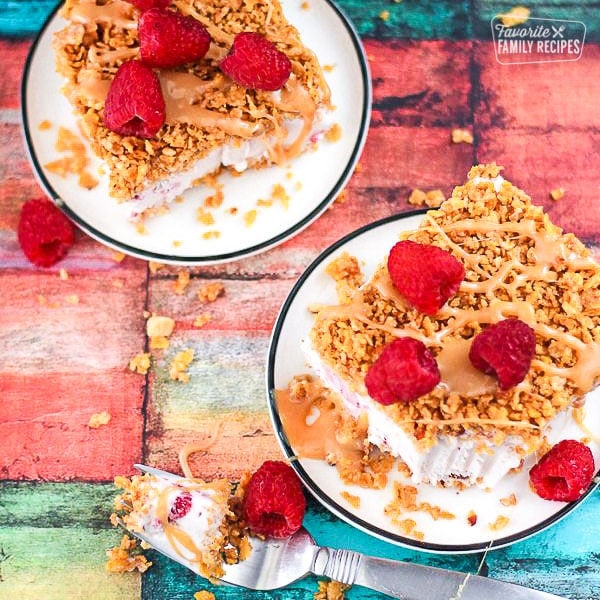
point(99, 419)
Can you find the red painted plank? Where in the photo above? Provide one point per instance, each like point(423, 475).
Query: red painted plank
point(413, 157)
point(70, 342)
point(540, 162)
point(44, 417)
point(420, 82)
point(13, 60)
point(544, 95)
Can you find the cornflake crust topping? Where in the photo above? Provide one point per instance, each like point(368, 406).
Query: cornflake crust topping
point(201, 107)
point(516, 338)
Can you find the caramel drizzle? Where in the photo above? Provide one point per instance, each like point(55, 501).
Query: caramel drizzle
point(178, 539)
point(182, 91)
point(118, 13)
point(549, 252)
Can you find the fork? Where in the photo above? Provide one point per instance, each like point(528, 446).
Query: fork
point(276, 563)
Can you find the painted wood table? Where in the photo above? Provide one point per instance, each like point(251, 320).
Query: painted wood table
point(68, 332)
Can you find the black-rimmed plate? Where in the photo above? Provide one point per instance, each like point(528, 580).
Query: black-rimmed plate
point(311, 182)
point(528, 516)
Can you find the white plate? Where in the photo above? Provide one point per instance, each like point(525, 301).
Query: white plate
point(531, 514)
point(312, 181)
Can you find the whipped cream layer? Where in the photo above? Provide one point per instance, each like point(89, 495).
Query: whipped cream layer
point(473, 461)
point(239, 154)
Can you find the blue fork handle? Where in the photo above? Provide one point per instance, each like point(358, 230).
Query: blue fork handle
point(409, 581)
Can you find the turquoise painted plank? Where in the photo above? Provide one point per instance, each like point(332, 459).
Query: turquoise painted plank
point(426, 19)
point(586, 11)
point(56, 504)
point(24, 18)
point(564, 560)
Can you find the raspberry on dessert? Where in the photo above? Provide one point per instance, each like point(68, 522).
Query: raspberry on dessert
point(44, 233)
point(169, 39)
point(564, 473)
point(403, 371)
point(274, 503)
point(147, 4)
point(181, 506)
point(256, 63)
point(135, 104)
point(425, 275)
point(504, 350)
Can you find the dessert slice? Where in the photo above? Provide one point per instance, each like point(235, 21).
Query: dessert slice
point(216, 111)
point(187, 518)
point(513, 342)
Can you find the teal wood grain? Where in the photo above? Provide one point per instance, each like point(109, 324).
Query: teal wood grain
point(23, 18)
point(425, 19)
point(588, 12)
point(63, 517)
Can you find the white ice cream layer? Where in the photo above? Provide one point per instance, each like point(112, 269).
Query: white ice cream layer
point(201, 523)
point(236, 154)
point(452, 458)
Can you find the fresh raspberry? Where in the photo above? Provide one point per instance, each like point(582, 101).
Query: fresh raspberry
point(504, 350)
point(256, 63)
point(181, 506)
point(147, 4)
point(169, 39)
point(274, 503)
point(564, 473)
point(44, 233)
point(135, 104)
point(403, 371)
point(424, 274)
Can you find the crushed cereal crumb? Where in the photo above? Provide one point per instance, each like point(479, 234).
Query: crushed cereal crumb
point(204, 595)
point(334, 133)
point(347, 275)
point(140, 363)
point(182, 282)
point(557, 193)
point(515, 16)
point(158, 325)
point(159, 342)
point(179, 365)
point(126, 557)
point(155, 266)
point(202, 320)
point(331, 590)
point(210, 292)
point(44, 125)
point(510, 500)
point(463, 136)
point(99, 419)
point(433, 198)
point(500, 523)
point(249, 217)
point(353, 500)
point(117, 256)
